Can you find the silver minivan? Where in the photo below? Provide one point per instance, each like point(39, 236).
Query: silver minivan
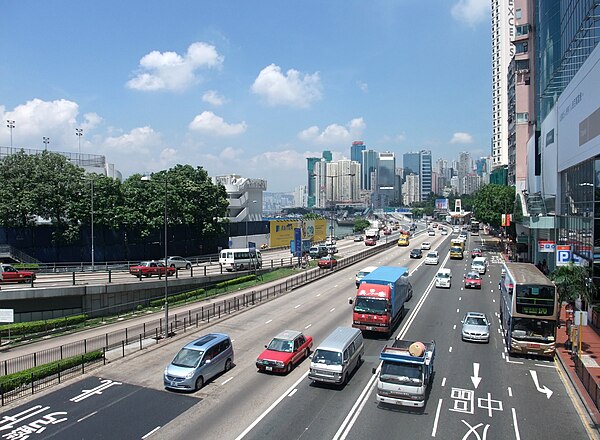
point(198, 362)
point(337, 356)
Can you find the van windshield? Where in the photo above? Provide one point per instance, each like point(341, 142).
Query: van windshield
point(187, 358)
point(406, 374)
point(443, 275)
point(327, 357)
point(370, 305)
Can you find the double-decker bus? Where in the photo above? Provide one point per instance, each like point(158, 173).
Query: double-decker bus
point(528, 310)
point(474, 227)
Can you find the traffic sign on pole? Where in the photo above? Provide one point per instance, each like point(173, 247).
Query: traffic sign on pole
point(563, 254)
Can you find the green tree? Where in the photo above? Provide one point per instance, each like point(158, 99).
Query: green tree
point(360, 225)
point(491, 201)
point(17, 191)
point(573, 282)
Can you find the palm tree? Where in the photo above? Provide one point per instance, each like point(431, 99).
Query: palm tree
point(573, 282)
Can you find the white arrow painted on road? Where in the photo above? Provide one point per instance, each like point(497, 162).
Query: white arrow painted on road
point(547, 391)
point(475, 378)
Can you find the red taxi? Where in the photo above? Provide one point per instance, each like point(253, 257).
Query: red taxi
point(9, 274)
point(285, 351)
point(370, 242)
point(473, 280)
point(327, 262)
point(149, 268)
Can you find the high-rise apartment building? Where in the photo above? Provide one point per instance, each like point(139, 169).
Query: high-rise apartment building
point(300, 196)
point(465, 164)
point(411, 190)
point(411, 163)
point(503, 34)
point(310, 184)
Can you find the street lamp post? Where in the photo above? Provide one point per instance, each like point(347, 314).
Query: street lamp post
point(79, 133)
point(146, 178)
point(10, 124)
point(92, 216)
point(46, 141)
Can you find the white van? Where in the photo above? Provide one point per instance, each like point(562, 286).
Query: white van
point(443, 278)
point(364, 272)
point(240, 259)
point(337, 356)
point(479, 265)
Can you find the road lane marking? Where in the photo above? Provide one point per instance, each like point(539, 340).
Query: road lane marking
point(515, 424)
point(509, 392)
point(269, 321)
point(454, 328)
point(297, 306)
point(460, 297)
point(308, 326)
point(89, 415)
point(151, 432)
point(450, 349)
point(546, 365)
point(223, 383)
point(293, 392)
point(332, 309)
point(444, 382)
point(437, 418)
point(270, 408)
point(457, 310)
point(318, 294)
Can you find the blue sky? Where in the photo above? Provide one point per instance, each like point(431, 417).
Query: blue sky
point(246, 87)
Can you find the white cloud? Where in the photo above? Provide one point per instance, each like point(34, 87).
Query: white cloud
point(209, 123)
point(90, 121)
point(292, 89)
point(280, 160)
point(397, 139)
point(334, 134)
point(472, 12)
point(213, 97)
point(140, 140)
point(363, 86)
point(171, 71)
point(461, 138)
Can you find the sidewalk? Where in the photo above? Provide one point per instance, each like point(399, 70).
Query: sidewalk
point(583, 373)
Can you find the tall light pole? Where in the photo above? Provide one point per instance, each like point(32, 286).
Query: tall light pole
point(92, 215)
point(146, 178)
point(79, 133)
point(46, 141)
point(10, 124)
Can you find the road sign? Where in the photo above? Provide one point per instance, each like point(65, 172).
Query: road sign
point(563, 254)
point(546, 245)
point(252, 245)
point(297, 242)
point(7, 315)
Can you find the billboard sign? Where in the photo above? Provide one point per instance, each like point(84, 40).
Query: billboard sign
point(546, 246)
point(441, 204)
point(563, 254)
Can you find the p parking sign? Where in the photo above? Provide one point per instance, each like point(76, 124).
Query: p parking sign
point(563, 255)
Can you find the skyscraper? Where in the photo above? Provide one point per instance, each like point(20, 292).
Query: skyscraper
point(387, 193)
point(356, 151)
point(327, 156)
point(425, 173)
point(311, 186)
point(503, 33)
point(368, 167)
point(411, 163)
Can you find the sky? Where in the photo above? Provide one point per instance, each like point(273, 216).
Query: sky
point(245, 87)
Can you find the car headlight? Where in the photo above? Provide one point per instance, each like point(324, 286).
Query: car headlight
point(279, 364)
point(190, 374)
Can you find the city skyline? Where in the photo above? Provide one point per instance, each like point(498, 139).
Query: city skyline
point(250, 93)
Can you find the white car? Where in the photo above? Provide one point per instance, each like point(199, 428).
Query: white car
point(443, 278)
point(432, 258)
point(431, 232)
point(425, 245)
point(178, 262)
point(444, 232)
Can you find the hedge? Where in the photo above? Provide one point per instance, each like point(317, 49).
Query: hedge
point(26, 266)
point(25, 328)
point(15, 380)
point(176, 298)
point(235, 281)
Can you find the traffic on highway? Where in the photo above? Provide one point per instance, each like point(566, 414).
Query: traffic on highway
point(461, 386)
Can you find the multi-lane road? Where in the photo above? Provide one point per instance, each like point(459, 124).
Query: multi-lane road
point(478, 392)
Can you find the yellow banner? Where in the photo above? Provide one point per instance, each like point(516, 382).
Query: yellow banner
point(282, 231)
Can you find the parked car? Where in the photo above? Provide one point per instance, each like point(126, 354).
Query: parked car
point(284, 352)
point(426, 245)
point(327, 262)
point(476, 327)
point(476, 252)
point(178, 263)
point(370, 242)
point(432, 257)
point(149, 268)
point(473, 280)
point(358, 237)
point(9, 274)
point(198, 362)
point(416, 253)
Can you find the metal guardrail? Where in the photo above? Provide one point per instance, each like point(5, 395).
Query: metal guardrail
point(137, 337)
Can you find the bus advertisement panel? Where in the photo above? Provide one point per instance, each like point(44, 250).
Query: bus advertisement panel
point(529, 310)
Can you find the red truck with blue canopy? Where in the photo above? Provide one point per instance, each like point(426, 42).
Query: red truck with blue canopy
point(379, 302)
